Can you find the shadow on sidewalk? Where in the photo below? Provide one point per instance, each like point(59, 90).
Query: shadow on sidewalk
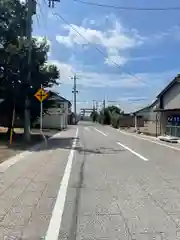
point(19, 145)
point(57, 143)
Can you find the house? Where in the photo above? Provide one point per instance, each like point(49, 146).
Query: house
point(162, 117)
point(146, 119)
point(56, 116)
point(168, 108)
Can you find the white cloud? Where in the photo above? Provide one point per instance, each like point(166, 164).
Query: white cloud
point(114, 57)
point(123, 80)
point(115, 40)
point(145, 58)
point(95, 79)
point(66, 70)
point(133, 99)
point(173, 33)
point(128, 85)
point(131, 103)
point(41, 39)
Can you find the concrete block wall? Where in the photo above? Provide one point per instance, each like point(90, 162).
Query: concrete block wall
point(149, 128)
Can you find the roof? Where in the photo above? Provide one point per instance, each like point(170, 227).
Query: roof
point(147, 107)
point(170, 85)
point(58, 98)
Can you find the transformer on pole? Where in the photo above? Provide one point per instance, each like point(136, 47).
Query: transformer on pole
point(52, 3)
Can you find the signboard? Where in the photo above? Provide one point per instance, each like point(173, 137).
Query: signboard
point(41, 95)
point(174, 119)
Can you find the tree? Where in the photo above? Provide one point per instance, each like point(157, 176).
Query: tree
point(12, 21)
point(109, 114)
point(94, 116)
point(14, 92)
point(14, 64)
point(12, 27)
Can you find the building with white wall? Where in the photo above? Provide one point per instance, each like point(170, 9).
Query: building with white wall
point(57, 116)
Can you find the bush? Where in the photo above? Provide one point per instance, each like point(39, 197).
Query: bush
point(94, 116)
point(110, 115)
point(115, 118)
point(101, 119)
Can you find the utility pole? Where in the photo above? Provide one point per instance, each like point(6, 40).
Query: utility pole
point(97, 105)
point(104, 104)
point(94, 105)
point(75, 92)
point(31, 10)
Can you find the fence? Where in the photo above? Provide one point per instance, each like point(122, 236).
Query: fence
point(173, 130)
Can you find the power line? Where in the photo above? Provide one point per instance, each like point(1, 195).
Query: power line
point(97, 49)
point(128, 8)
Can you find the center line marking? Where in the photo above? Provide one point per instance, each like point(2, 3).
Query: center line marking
point(101, 132)
point(132, 151)
point(55, 222)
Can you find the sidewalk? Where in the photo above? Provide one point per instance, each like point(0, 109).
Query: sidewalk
point(28, 190)
point(18, 144)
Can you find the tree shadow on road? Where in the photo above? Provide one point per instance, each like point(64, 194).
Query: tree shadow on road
point(99, 151)
point(59, 142)
point(66, 143)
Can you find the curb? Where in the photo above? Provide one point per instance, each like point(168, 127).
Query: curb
point(169, 140)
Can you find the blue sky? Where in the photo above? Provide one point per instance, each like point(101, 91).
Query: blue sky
point(144, 44)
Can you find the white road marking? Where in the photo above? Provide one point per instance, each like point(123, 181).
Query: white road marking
point(153, 141)
point(132, 151)
point(55, 222)
point(100, 132)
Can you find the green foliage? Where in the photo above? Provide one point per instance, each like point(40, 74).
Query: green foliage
point(115, 118)
point(114, 109)
point(94, 116)
point(110, 115)
point(14, 66)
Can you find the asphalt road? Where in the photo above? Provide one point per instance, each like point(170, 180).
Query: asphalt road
point(122, 187)
point(93, 183)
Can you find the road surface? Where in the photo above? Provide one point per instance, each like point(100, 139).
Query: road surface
point(92, 183)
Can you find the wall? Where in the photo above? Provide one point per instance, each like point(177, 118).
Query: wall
point(128, 121)
point(57, 118)
point(171, 98)
point(52, 121)
point(149, 128)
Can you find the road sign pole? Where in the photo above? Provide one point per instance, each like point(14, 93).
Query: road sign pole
point(41, 116)
point(41, 95)
point(41, 113)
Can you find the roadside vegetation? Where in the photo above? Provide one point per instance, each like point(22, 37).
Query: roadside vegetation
point(14, 67)
point(108, 116)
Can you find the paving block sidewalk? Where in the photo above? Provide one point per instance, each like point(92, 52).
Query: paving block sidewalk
point(28, 189)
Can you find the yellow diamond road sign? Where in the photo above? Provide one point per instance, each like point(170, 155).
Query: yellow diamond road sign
point(41, 95)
